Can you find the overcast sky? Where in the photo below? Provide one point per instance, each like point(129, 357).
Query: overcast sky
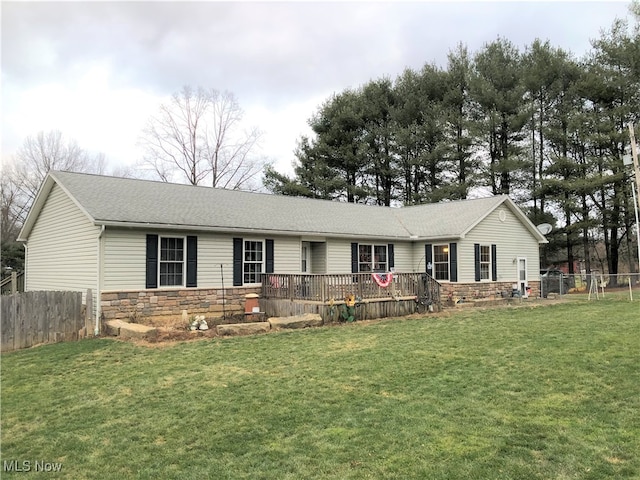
point(98, 70)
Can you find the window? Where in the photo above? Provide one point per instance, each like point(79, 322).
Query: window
point(372, 258)
point(253, 261)
point(171, 263)
point(485, 262)
point(441, 262)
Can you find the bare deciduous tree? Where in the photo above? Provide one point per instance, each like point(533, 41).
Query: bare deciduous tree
point(198, 137)
point(48, 151)
point(23, 174)
point(12, 208)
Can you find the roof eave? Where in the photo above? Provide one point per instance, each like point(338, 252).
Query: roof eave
point(41, 198)
point(36, 207)
point(240, 230)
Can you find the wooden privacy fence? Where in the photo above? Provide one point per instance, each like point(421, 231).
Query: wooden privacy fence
point(31, 318)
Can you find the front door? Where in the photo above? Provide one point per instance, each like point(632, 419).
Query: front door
point(306, 257)
point(522, 276)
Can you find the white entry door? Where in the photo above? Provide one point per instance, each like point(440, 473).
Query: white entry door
point(522, 276)
point(306, 257)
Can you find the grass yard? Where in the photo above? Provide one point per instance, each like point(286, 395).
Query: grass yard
point(549, 392)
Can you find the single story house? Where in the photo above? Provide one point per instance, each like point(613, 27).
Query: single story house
point(152, 249)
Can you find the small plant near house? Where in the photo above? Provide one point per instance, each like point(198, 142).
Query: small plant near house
point(349, 308)
point(135, 316)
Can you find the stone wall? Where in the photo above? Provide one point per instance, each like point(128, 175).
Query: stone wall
point(487, 290)
point(165, 307)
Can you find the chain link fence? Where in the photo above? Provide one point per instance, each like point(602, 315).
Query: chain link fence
point(594, 285)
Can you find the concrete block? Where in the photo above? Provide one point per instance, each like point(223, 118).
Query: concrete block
point(298, 321)
point(135, 330)
point(112, 327)
point(243, 328)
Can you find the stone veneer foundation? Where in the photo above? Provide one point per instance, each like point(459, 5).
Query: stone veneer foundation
point(473, 291)
point(165, 307)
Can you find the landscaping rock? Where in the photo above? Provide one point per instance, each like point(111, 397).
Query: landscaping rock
point(243, 328)
point(112, 327)
point(297, 321)
point(135, 330)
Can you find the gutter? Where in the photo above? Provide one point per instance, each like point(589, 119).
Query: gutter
point(249, 231)
point(96, 330)
point(26, 262)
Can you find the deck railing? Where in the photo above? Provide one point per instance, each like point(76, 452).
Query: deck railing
point(13, 283)
point(328, 287)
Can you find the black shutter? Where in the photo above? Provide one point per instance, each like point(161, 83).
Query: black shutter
point(390, 253)
point(428, 259)
point(269, 256)
point(192, 261)
point(476, 260)
point(453, 262)
point(494, 262)
point(152, 261)
point(354, 258)
point(237, 262)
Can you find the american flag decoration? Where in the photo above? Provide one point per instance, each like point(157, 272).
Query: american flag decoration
point(382, 279)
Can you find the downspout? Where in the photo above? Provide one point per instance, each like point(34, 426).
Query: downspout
point(26, 262)
point(96, 331)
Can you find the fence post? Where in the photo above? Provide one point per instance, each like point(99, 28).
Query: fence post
point(88, 314)
point(14, 282)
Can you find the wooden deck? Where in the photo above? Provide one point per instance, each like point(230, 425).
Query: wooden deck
point(325, 294)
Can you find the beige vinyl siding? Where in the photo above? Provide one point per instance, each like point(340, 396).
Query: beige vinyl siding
point(512, 239)
point(124, 257)
point(62, 247)
point(287, 254)
point(403, 257)
point(338, 255)
point(318, 257)
point(215, 260)
point(417, 257)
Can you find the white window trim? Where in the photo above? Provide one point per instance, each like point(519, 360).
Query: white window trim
point(489, 263)
point(433, 261)
point(373, 256)
point(184, 261)
point(262, 263)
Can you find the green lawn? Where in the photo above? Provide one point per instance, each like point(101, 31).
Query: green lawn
point(549, 392)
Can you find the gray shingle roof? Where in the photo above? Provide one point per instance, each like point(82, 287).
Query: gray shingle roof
point(113, 200)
